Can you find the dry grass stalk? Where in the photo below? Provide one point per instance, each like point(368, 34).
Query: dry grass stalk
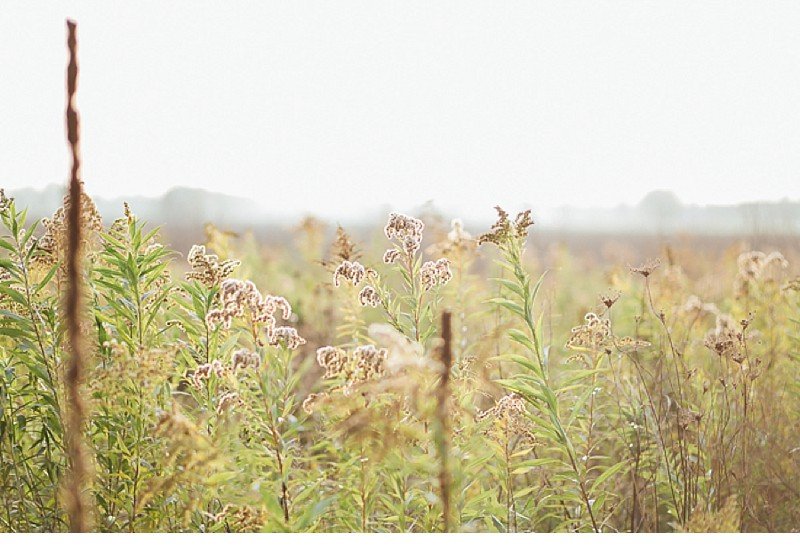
point(77, 505)
point(442, 413)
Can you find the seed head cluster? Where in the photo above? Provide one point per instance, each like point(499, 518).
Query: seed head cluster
point(507, 416)
point(207, 269)
point(405, 230)
point(352, 272)
point(369, 296)
point(239, 298)
point(505, 229)
point(436, 273)
point(593, 334)
point(52, 244)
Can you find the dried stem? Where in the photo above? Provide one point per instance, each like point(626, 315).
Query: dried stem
point(77, 506)
point(442, 396)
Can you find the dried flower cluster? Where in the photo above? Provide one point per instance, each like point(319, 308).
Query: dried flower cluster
point(504, 228)
point(207, 269)
point(352, 272)
point(507, 416)
point(52, 244)
point(369, 296)
point(436, 273)
point(726, 339)
point(227, 401)
point(239, 298)
point(406, 230)
point(647, 268)
point(333, 360)
point(343, 247)
point(593, 334)
point(366, 363)
point(755, 265)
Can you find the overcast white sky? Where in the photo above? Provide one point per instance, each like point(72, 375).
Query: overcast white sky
point(337, 106)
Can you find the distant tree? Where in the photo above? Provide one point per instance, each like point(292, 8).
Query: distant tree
point(662, 207)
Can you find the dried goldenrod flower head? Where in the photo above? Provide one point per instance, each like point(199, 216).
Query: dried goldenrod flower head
point(237, 298)
point(504, 228)
point(725, 339)
point(695, 305)
point(243, 359)
point(333, 360)
point(369, 296)
point(593, 334)
point(647, 268)
point(52, 244)
point(205, 371)
point(403, 353)
point(406, 230)
point(227, 401)
point(391, 255)
point(754, 265)
point(507, 416)
point(369, 362)
point(313, 400)
point(286, 336)
point(343, 247)
point(352, 272)
point(435, 273)
point(207, 269)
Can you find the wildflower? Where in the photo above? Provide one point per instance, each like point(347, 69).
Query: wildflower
point(647, 268)
point(369, 297)
point(349, 271)
point(753, 265)
point(369, 362)
point(725, 340)
point(509, 414)
point(53, 242)
point(435, 273)
point(343, 247)
point(610, 298)
point(406, 230)
point(286, 336)
point(504, 228)
point(333, 360)
point(243, 359)
point(205, 371)
point(239, 297)
point(227, 401)
point(207, 269)
point(391, 255)
point(594, 333)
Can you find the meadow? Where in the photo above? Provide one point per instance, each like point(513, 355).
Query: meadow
point(419, 379)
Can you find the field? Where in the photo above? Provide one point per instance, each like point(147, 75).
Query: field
point(420, 378)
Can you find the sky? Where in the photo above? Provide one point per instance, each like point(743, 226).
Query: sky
point(341, 107)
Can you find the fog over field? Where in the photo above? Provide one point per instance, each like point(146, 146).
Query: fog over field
point(339, 110)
